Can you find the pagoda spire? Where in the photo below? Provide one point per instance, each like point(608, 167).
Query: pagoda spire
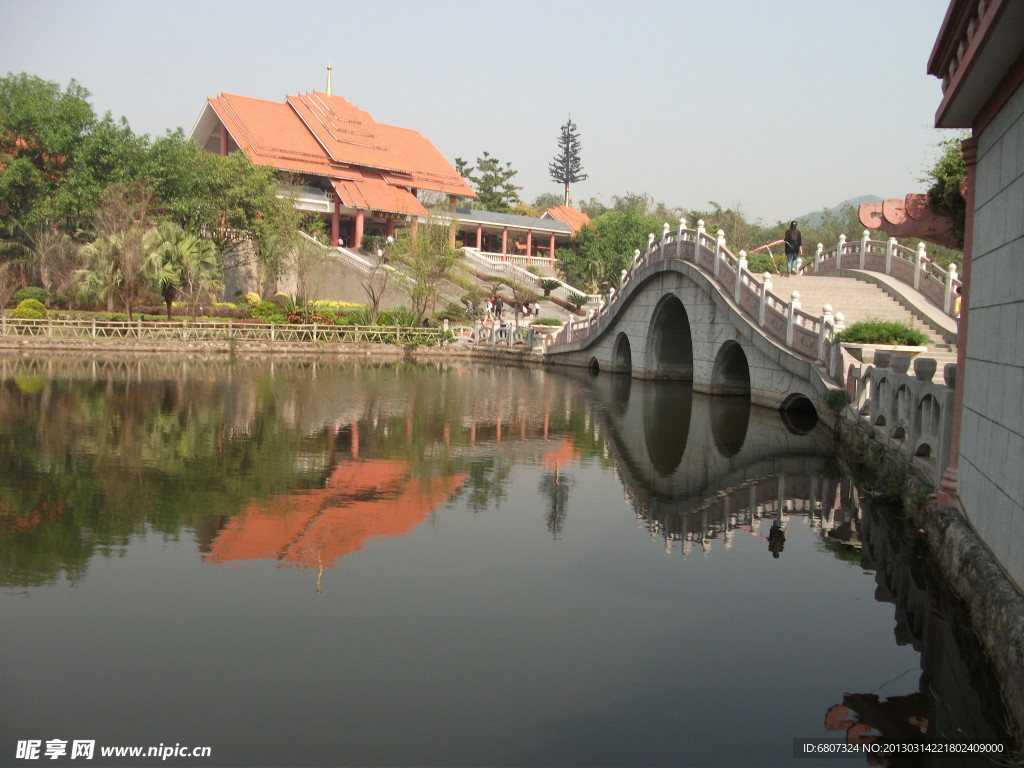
point(328, 77)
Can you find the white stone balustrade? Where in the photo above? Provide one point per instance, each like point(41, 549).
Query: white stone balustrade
point(912, 416)
point(908, 265)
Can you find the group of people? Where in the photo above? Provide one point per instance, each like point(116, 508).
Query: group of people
point(495, 309)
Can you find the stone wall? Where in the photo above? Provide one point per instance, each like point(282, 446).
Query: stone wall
point(992, 430)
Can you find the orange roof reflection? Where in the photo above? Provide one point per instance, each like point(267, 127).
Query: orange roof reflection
point(362, 499)
point(565, 453)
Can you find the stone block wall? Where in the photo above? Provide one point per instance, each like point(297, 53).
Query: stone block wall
point(992, 431)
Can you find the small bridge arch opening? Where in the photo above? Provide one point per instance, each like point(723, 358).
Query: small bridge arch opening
point(670, 343)
point(798, 414)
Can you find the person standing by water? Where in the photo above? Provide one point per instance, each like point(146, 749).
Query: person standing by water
point(794, 248)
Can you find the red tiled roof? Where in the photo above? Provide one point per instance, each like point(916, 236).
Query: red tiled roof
point(271, 134)
point(568, 215)
point(377, 195)
point(327, 136)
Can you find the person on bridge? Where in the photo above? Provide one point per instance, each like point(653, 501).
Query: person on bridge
point(794, 247)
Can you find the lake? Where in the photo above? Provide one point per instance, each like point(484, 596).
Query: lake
point(451, 565)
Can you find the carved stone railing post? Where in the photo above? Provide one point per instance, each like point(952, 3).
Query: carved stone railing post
point(719, 247)
point(839, 251)
point(835, 365)
point(919, 265)
point(824, 327)
point(741, 267)
point(817, 256)
point(864, 238)
point(794, 304)
point(766, 287)
point(650, 244)
point(664, 237)
point(696, 241)
point(679, 237)
point(951, 278)
point(636, 257)
point(890, 249)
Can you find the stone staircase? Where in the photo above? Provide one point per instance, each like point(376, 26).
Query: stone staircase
point(858, 300)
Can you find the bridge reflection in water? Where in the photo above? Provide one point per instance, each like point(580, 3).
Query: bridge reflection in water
point(700, 471)
point(697, 468)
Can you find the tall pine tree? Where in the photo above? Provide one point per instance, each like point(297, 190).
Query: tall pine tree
point(566, 167)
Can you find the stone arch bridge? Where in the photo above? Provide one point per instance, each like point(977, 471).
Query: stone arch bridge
point(688, 310)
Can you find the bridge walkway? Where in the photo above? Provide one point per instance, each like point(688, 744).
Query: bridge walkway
point(862, 295)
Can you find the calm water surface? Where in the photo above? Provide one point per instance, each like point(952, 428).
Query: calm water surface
point(463, 565)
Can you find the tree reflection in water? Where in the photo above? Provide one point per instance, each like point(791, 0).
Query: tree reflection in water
point(298, 464)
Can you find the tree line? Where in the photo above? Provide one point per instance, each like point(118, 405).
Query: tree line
point(91, 211)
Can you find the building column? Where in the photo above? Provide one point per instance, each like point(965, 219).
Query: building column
point(949, 488)
point(336, 220)
point(479, 237)
point(389, 228)
point(551, 253)
point(357, 238)
point(529, 245)
point(504, 241)
point(223, 140)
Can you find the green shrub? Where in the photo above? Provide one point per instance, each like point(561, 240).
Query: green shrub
point(453, 313)
point(882, 332)
point(268, 311)
point(41, 295)
point(547, 321)
point(401, 316)
point(30, 309)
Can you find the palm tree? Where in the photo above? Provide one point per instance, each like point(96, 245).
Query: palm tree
point(162, 245)
point(180, 263)
point(201, 272)
point(115, 266)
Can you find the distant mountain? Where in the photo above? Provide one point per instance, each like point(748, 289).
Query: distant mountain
point(814, 219)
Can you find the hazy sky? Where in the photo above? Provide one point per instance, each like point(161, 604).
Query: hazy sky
point(779, 107)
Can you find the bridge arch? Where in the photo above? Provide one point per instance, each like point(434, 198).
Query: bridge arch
point(730, 374)
point(669, 341)
point(622, 356)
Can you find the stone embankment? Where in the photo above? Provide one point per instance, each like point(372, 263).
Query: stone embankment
point(291, 350)
point(993, 603)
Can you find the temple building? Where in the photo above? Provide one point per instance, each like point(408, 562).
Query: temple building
point(365, 176)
